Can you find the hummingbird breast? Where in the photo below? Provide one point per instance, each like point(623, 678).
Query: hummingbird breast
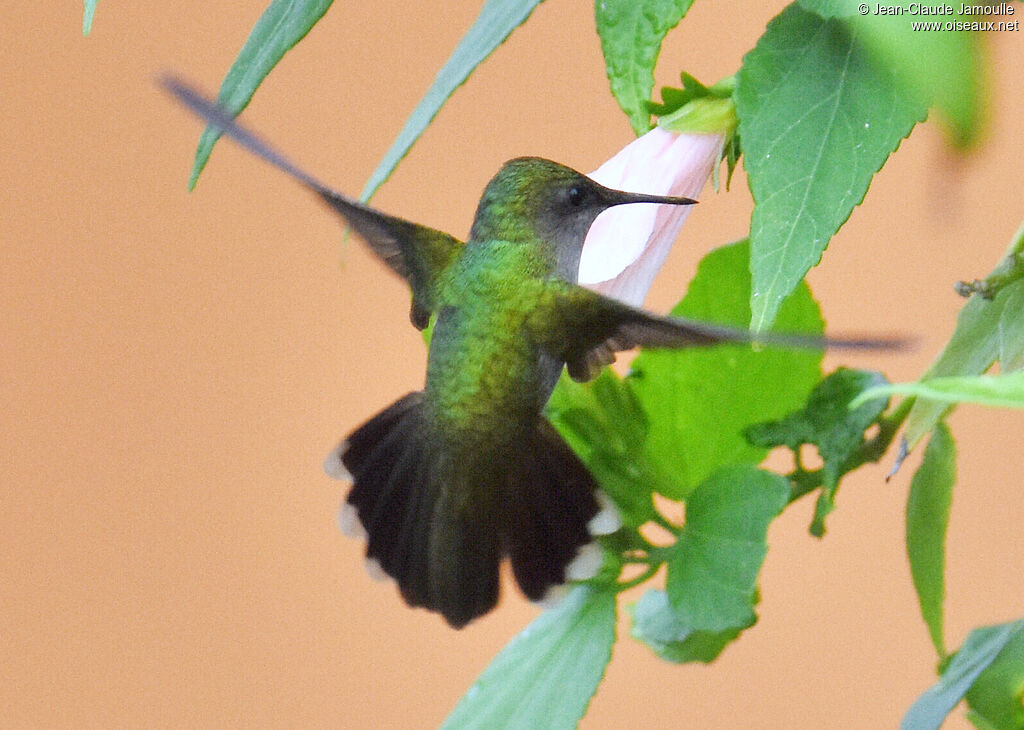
point(486, 381)
point(449, 481)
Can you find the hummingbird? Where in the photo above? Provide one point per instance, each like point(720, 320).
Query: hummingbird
point(450, 480)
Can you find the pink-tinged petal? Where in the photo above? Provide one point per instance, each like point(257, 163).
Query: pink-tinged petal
point(627, 244)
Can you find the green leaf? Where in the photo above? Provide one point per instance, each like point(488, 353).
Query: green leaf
point(981, 335)
point(713, 566)
point(817, 121)
point(928, 505)
point(631, 34)
point(88, 11)
point(283, 24)
point(604, 424)
point(544, 677)
point(1006, 391)
point(497, 19)
point(827, 422)
point(980, 722)
point(979, 650)
point(656, 624)
point(699, 400)
point(1011, 332)
point(940, 70)
point(996, 695)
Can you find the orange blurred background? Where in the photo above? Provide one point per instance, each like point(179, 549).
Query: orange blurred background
point(175, 367)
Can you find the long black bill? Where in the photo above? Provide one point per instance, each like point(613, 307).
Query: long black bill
point(621, 197)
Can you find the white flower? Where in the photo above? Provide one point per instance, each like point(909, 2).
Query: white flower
point(627, 244)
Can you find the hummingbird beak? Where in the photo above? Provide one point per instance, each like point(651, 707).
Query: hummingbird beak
point(621, 197)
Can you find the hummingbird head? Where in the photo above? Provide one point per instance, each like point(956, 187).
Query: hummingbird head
point(539, 202)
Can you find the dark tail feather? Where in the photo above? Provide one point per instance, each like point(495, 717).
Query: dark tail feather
point(440, 526)
point(554, 511)
point(442, 557)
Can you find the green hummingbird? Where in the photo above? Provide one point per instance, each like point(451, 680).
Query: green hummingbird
point(451, 479)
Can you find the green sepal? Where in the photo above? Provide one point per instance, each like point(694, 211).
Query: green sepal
point(700, 109)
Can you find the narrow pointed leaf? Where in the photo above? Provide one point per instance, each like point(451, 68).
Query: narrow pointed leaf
point(88, 11)
point(283, 24)
point(979, 650)
point(974, 347)
point(631, 34)
point(817, 121)
point(1005, 391)
point(497, 19)
point(547, 674)
point(713, 566)
point(1011, 332)
point(928, 505)
point(988, 328)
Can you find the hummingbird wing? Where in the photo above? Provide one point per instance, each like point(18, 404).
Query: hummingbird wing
point(417, 253)
point(585, 330)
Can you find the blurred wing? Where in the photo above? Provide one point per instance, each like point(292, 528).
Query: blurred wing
point(585, 330)
point(416, 253)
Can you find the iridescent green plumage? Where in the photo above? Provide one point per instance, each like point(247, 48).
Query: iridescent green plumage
point(449, 480)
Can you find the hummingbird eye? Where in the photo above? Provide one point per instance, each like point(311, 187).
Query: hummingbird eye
point(576, 196)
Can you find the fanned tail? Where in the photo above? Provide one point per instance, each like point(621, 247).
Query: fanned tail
point(401, 500)
point(440, 525)
point(554, 511)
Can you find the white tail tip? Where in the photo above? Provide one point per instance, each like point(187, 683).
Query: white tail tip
point(348, 521)
point(553, 596)
point(587, 562)
point(607, 520)
point(334, 466)
point(376, 572)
